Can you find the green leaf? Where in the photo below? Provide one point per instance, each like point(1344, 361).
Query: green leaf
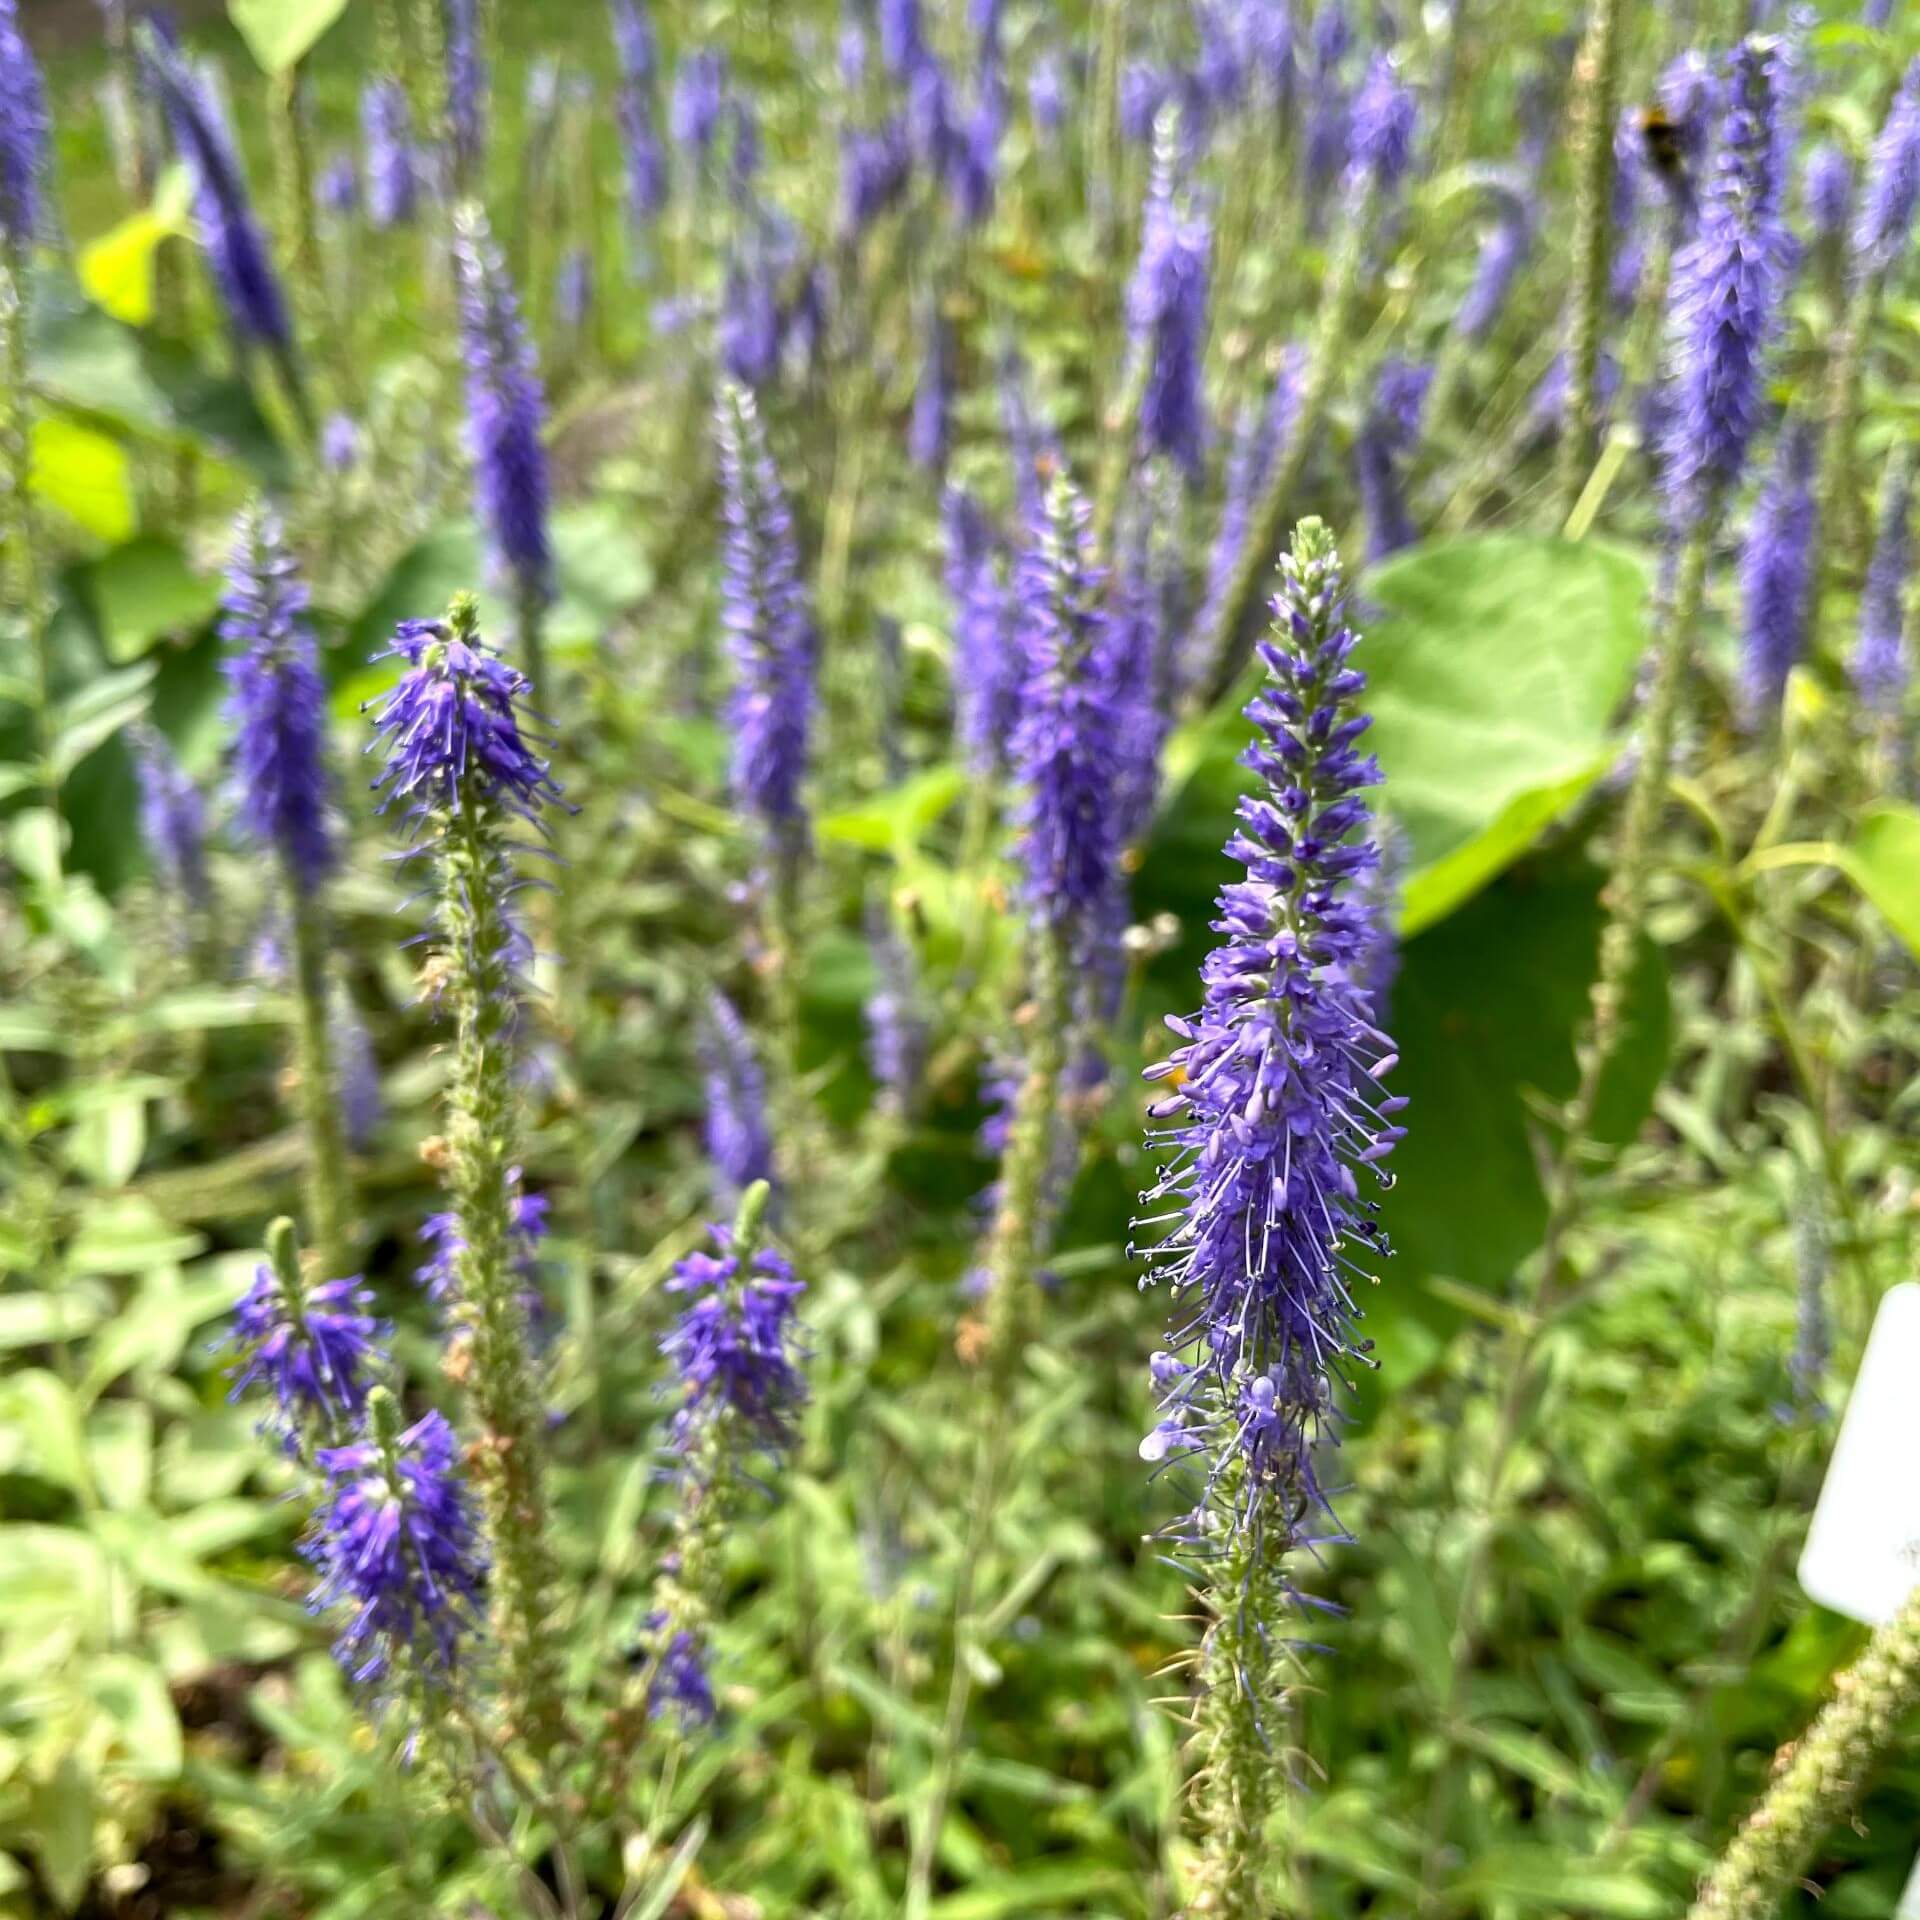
point(897, 820)
point(1546, 1877)
point(1484, 1011)
point(601, 572)
point(143, 591)
point(280, 33)
point(85, 473)
point(98, 711)
point(60, 1820)
point(1883, 861)
point(116, 270)
point(1494, 671)
point(35, 1319)
point(1064, 1883)
point(132, 1694)
point(40, 1408)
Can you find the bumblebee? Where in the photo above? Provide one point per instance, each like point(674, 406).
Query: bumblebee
point(1665, 141)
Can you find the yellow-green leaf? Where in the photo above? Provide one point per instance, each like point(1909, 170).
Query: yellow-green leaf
point(85, 474)
point(117, 269)
point(279, 33)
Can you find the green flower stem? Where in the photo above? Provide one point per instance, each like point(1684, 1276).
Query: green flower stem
point(1239, 1780)
point(1839, 495)
point(1823, 1774)
point(18, 533)
point(1619, 937)
point(1014, 1248)
point(1222, 646)
point(1597, 91)
point(510, 1458)
point(328, 1192)
point(530, 632)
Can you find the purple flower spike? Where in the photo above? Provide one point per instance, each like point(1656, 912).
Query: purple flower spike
point(505, 411)
point(739, 1144)
point(396, 1542)
point(771, 639)
point(173, 820)
point(681, 1684)
point(699, 99)
point(1880, 667)
point(1167, 314)
point(1065, 743)
point(393, 181)
point(929, 431)
point(277, 706)
point(896, 1027)
point(466, 87)
point(986, 663)
point(1776, 574)
point(24, 131)
point(1827, 189)
point(1277, 1106)
point(634, 110)
point(1727, 285)
point(1503, 252)
point(313, 1347)
point(1893, 181)
point(230, 235)
point(1380, 138)
point(735, 1347)
point(1390, 432)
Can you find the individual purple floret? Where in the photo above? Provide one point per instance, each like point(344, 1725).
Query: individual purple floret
point(1880, 668)
point(699, 97)
point(1826, 188)
point(1389, 433)
point(277, 707)
point(739, 1144)
point(1727, 285)
point(1277, 1106)
point(466, 88)
point(395, 1541)
point(313, 1347)
point(1776, 574)
point(986, 662)
point(438, 1276)
point(771, 639)
point(929, 428)
point(230, 235)
point(24, 131)
point(634, 111)
point(1065, 734)
point(393, 181)
point(1167, 316)
point(1885, 218)
point(505, 411)
point(735, 1346)
point(173, 820)
point(896, 1024)
point(1380, 137)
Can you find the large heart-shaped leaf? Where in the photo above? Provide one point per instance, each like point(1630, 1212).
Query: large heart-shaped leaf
point(1495, 668)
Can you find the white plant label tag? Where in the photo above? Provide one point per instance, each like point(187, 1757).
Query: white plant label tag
point(1909, 1907)
point(1862, 1556)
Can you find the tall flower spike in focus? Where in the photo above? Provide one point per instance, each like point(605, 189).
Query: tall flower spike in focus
point(24, 132)
point(473, 789)
point(278, 711)
point(394, 1542)
point(1727, 285)
point(1777, 574)
point(1167, 311)
point(735, 1352)
point(506, 409)
point(1278, 1112)
point(772, 643)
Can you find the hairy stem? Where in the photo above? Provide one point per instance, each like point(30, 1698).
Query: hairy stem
point(1597, 88)
point(328, 1192)
point(1819, 1777)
